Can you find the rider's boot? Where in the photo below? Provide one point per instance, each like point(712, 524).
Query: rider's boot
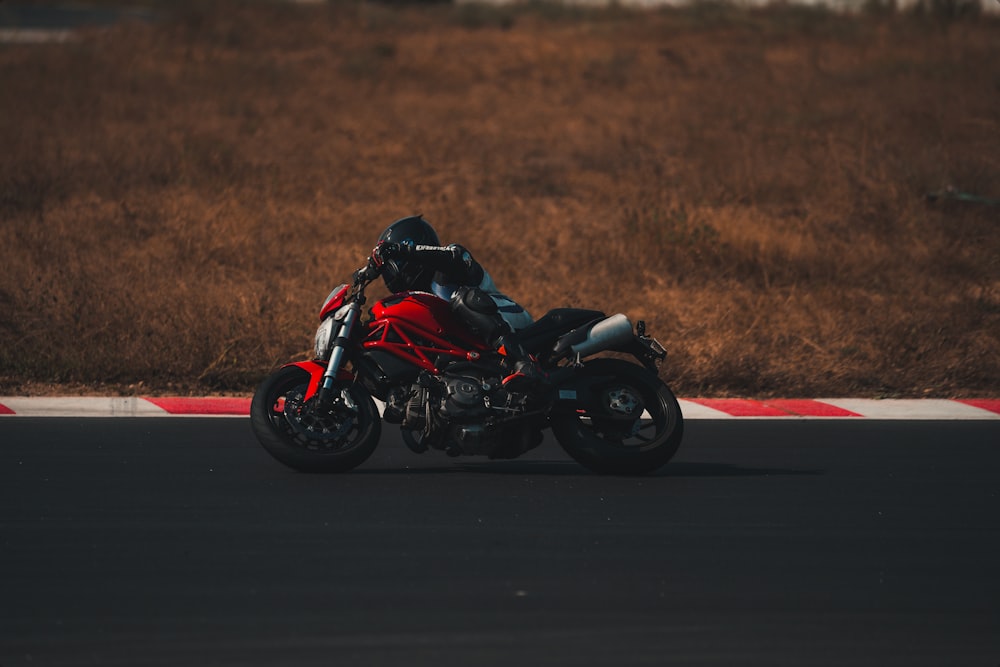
point(524, 375)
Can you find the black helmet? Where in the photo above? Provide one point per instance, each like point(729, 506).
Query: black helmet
point(400, 274)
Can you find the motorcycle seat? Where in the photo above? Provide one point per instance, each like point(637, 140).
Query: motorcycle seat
point(542, 334)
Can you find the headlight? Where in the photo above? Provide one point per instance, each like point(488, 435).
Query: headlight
point(324, 334)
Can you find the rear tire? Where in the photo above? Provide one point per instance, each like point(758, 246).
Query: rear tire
point(635, 428)
point(308, 437)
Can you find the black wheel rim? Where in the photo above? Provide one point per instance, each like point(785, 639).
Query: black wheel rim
point(332, 428)
point(628, 417)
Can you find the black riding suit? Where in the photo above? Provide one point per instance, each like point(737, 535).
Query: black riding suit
point(455, 276)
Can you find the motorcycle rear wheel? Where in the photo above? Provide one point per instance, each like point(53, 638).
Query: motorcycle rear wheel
point(309, 437)
point(636, 427)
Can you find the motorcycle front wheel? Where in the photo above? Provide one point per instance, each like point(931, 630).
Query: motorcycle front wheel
point(309, 436)
point(631, 424)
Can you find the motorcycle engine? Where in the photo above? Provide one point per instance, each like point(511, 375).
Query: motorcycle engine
point(464, 412)
point(465, 399)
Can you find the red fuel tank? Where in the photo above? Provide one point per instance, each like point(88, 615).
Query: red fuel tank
point(426, 311)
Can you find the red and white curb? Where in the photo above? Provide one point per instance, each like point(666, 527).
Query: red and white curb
point(129, 406)
point(693, 408)
point(837, 408)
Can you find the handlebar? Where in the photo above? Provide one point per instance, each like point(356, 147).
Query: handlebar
point(366, 274)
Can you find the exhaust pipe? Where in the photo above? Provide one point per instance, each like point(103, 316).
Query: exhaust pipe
point(611, 332)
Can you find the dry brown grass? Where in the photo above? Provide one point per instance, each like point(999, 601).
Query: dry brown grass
point(177, 198)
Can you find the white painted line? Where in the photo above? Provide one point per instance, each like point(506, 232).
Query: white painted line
point(33, 36)
point(82, 406)
point(911, 408)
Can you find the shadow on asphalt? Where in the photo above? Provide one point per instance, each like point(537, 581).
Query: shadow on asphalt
point(691, 469)
point(571, 469)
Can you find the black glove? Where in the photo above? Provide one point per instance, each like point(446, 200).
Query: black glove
point(366, 273)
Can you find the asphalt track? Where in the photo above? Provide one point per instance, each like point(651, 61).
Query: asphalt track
point(809, 542)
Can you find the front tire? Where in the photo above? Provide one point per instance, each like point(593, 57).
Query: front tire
point(310, 437)
point(632, 426)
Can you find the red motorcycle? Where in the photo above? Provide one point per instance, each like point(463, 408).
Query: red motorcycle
point(442, 386)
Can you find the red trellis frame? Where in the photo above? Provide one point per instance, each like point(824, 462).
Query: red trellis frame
point(415, 344)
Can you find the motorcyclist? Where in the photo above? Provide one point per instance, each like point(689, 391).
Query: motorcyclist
point(410, 257)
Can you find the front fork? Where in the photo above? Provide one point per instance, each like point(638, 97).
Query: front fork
point(327, 391)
